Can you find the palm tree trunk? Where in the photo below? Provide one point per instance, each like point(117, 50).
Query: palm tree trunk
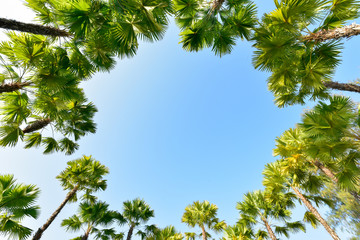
point(332, 176)
point(39, 124)
point(40, 231)
point(203, 233)
point(86, 235)
point(350, 87)
point(130, 232)
point(342, 32)
point(316, 213)
point(216, 4)
point(32, 28)
point(11, 87)
point(326, 171)
point(268, 228)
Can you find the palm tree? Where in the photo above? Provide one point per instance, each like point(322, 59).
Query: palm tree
point(104, 29)
point(238, 232)
point(345, 212)
point(16, 202)
point(203, 214)
point(83, 174)
point(40, 89)
point(326, 139)
point(261, 207)
point(190, 235)
point(135, 213)
point(334, 127)
point(289, 45)
point(91, 215)
point(281, 176)
point(215, 24)
point(167, 233)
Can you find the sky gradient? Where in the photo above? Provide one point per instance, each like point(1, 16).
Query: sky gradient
point(173, 127)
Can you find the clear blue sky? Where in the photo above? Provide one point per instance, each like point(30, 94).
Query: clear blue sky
point(173, 127)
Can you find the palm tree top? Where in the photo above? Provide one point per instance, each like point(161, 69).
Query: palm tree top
point(137, 212)
point(85, 173)
point(202, 213)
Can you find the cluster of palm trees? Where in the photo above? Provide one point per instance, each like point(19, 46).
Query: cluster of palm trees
point(39, 84)
point(318, 160)
point(263, 214)
point(43, 65)
point(321, 152)
point(82, 178)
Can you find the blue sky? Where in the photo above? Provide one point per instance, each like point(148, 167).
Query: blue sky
point(173, 127)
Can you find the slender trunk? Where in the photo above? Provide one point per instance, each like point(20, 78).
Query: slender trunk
point(32, 28)
point(86, 235)
point(350, 87)
point(11, 87)
point(332, 176)
point(130, 232)
point(326, 171)
point(40, 231)
point(39, 124)
point(203, 233)
point(316, 213)
point(342, 32)
point(216, 4)
point(268, 228)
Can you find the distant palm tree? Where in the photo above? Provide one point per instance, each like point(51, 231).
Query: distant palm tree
point(203, 214)
point(90, 216)
point(83, 174)
point(282, 175)
point(150, 231)
point(259, 207)
point(238, 232)
point(135, 213)
point(16, 202)
point(167, 233)
point(190, 235)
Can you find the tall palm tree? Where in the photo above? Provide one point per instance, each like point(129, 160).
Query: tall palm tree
point(84, 174)
point(203, 214)
point(104, 29)
point(40, 91)
point(16, 202)
point(334, 126)
point(259, 208)
point(326, 138)
point(215, 24)
point(288, 44)
point(91, 215)
point(282, 176)
point(135, 213)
